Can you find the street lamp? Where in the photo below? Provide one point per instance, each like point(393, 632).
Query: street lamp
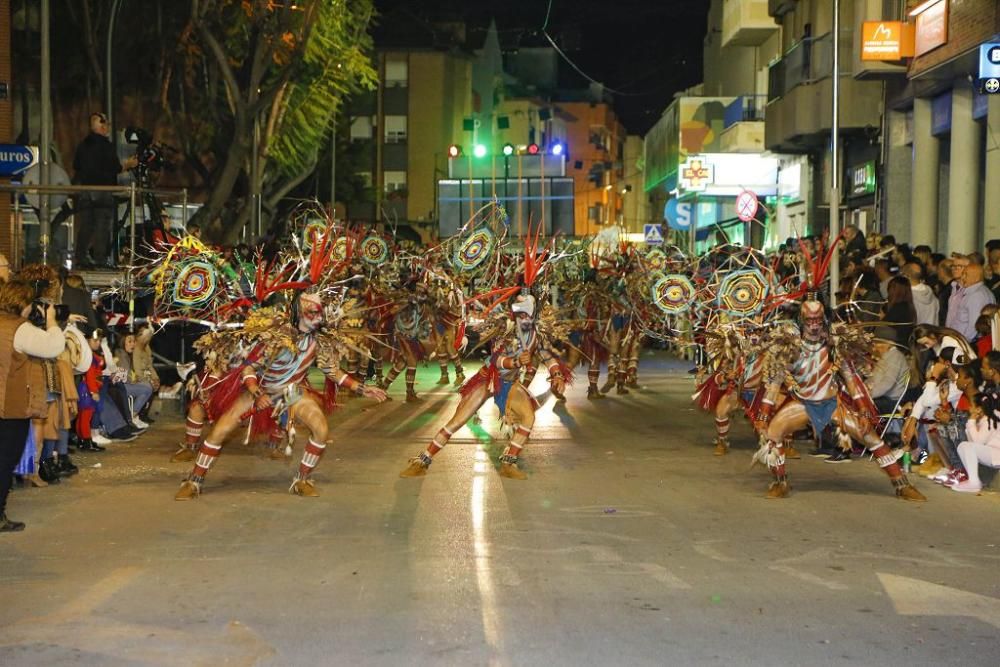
point(835, 160)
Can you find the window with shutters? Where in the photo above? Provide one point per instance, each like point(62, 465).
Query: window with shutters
point(395, 129)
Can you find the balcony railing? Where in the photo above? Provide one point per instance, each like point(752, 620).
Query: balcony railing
point(808, 61)
point(746, 109)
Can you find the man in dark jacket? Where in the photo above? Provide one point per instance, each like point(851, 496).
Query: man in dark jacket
point(854, 240)
point(95, 163)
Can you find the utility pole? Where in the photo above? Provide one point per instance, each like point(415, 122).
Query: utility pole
point(45, 148)
point(835, 160)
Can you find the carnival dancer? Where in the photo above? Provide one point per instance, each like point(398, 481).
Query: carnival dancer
point(449, 305)
point(733, 379)
point(413, 336)
point(501, 379)
point(272, 385)
point(816, 364)
point(199, 388)
point(586, 341)
point(519, 335)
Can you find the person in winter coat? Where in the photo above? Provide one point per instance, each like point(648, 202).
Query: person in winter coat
point(22, 384)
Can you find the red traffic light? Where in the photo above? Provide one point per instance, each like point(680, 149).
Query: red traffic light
point(454, 150)
point(532, 149)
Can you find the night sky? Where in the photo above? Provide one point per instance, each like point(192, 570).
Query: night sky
point(652, 48)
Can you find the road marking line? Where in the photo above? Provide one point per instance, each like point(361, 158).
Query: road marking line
point(808, 578)
point(912, 597)
point(707, 550)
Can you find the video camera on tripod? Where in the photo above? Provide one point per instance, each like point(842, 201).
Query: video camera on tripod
point(150, 156)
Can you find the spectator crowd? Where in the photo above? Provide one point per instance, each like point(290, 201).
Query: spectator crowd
point(87, 386)
point(936, 378)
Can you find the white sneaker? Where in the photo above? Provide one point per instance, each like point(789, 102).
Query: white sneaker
point(967, 487)
point(99, 438)
point(139, 423)
point(942, 476)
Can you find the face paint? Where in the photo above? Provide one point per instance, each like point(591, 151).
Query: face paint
point(813, 320)
point(310, 313)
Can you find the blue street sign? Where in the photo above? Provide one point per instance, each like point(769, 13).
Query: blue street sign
point(989, 61)
point(678, 215)
point(16, 159)
point(653, 234)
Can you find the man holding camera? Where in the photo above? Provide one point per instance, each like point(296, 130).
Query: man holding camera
point(96, 163)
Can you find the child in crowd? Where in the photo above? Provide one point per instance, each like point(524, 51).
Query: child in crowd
point(89, 391)
point(952, 423)
point(984, 336)
point(982, 446)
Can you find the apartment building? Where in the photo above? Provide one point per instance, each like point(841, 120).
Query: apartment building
point(942, 154)
point(403, 130)
point(710, 147)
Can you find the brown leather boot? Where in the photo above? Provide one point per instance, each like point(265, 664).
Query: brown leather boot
point(721, 446)
point(189, 491)
point(36, 481)
point(459, 379)
point(909, 492)
point(511, 471)
point(778, 490)
point(593, 393)
point(931, 465)
point(416, 468)
point(411, 397)
point(182, 454)
point(791, 452)
point(444, 379)
point(304, 488)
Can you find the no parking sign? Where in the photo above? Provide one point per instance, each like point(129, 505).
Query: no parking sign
point(747, 205)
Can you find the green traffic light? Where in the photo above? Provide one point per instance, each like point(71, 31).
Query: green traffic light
point(479, 150)
point(508, 149)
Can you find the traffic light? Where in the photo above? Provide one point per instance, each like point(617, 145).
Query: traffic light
point(479, 151)
point(532, 149)
point(508, 149)
point(557, 149)
point(454, 150)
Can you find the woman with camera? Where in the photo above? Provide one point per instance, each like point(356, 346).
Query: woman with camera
point(23, 346)
point(61, 407)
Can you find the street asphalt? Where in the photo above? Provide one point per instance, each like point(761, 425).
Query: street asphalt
point(629, 544)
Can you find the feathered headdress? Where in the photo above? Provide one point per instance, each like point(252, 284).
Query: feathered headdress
point(816, 274)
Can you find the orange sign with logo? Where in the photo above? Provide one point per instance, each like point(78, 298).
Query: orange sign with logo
point(886, 40)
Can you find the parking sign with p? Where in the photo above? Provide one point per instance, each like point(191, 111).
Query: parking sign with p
point(989, 68)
